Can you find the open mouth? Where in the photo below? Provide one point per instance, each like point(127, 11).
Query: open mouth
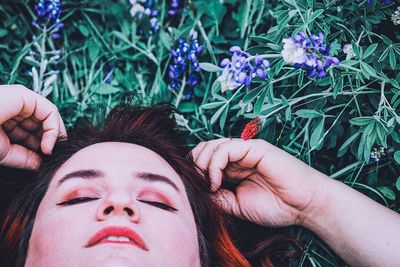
point(117, 235)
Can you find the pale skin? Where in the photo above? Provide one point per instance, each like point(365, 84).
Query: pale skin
point(274, 188)
point(28, 123)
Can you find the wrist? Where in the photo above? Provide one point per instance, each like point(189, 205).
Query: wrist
point(316, 212)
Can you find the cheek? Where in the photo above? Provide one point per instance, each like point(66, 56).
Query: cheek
point(55, 238)
point(174, 232)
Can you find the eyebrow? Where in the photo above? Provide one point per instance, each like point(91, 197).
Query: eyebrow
point(93, 174)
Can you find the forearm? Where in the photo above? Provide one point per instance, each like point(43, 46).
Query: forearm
point(361, 231)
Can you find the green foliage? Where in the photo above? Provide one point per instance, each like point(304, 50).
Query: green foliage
point(333, 123)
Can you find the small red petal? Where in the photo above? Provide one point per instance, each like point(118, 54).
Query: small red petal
point(251, 129)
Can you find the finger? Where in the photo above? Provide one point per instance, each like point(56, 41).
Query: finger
point(30, 124)
point(24, 137)
point(205, 154)
point(195, 151)
point(17, 134)
point(234, 172)
point(16, 100)
point(47, 113)
point(227, 201)
point(63, 130)
point(246, 154)
point(32, 142)
point(26, 103)
point(19, 156)
point(51, 132)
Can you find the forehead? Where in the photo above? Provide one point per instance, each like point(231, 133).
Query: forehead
point(118, 158)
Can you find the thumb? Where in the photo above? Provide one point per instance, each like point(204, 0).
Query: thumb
point(228, 202)
point(18, 156)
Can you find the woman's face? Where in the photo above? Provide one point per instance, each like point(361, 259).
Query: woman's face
point(114, 204)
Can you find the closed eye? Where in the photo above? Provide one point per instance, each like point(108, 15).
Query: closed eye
point(159, 205)
point(77, 200)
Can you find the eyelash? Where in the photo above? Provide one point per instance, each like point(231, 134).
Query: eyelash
point(159, 205)
point(87, 199)
point(77, 200)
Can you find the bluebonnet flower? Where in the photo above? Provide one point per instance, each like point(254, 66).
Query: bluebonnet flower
point(310, 54)
point(377, 153)
point(49, 13)
point(238, 70)
point(175, 7)
point(347, 48)
point(44, 62)
point(396, 16)
point(145, 14)
point(386, 2)
point(185, 64)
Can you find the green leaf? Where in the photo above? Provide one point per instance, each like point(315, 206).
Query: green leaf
point(215, 87)
point(398, 184)
point(3, 32)
point(222, 120)
point(253, 93)
point(367, 70)
point(343, 148)
point(315, 15)
point(260, 101)
point(218, 113)
point(356, 50)
point(392, 59)
point(396, 156)
point(166, 40)
point(84, 30)
point(212, 105)
point(106, 89)
point(288, 113)
point(371, 49)
point(387, 192)
point(300, 80)
point(317, 134)
point(360, 121)
point(384, 55)
point(209, 67)
point(187, 107)
point(308, 113)
point(338, 87)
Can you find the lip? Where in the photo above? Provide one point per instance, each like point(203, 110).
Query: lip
point(98, 238)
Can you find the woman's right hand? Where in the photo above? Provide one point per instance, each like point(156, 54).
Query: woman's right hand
point(28, 122)
point(273, 187)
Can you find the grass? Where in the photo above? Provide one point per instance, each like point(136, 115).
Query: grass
point(332, 123)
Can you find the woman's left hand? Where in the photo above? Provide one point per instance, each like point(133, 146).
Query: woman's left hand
point(273, 187)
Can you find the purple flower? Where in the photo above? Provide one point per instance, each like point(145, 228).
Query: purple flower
point(309, 54)
point(145, 15)
point(238, 70)
point(175, 7)
point(185, 64)
point(48, 14)
point(386, 2)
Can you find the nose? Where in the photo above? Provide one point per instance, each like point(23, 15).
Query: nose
point(118, 204)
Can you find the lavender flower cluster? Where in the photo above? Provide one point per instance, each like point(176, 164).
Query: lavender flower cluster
point(175, 7)
point(185, 64)
point(386, 2)
point(48, 13)
point(145, 14)
point(238, 70)
point(310, 54)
